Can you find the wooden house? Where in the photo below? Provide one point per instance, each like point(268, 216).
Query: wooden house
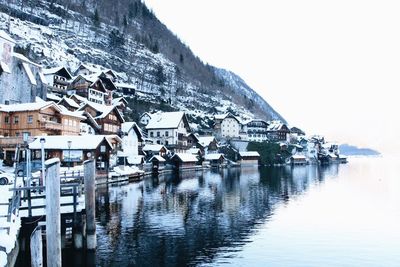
point(215, 160)
point(208, 143)
point(126, 89)
point(76, 149)
point(89, 87)
point(249, 157)
point(68, 103)
point(58, 79)
point(278, 131)
point(151, 150)
point(184, 161)
point(107, 118)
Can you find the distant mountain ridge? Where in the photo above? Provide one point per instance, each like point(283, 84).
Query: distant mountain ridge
point(350, 150)
point(127, 37)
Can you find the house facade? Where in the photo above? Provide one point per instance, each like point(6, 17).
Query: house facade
point(170, 129)
point(132, 139)
point(257, 130)
point(278, 131)
point(58, 79)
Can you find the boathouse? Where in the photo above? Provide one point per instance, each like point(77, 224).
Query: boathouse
point(184, 161)
point(249, 157)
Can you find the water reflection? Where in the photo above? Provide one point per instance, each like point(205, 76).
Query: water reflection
point(187, 219)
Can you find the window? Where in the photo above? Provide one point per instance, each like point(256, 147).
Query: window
point(17, 134)
point(166, 133)
point(151, 134)
point(16, 119)
point(30, 119)
point(6, 120)
point(166, 143)
point(158, 134)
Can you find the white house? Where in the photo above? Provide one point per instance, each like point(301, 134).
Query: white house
point(257, 130)
point(231, 127)
point(170, 129)
point(131, 139)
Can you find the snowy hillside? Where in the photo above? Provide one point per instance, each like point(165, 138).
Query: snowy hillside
point(136, 45)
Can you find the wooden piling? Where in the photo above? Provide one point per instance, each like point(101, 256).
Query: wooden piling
point(36, 248)
point(90, 190)
point(53, 216)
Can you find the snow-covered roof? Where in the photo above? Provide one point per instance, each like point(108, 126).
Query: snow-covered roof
point(29, 73)
point(194, 151)
point(5, 36)
point(165, 120)
point(135, 159)
point(70, 102)
point(103, 109)
point(80, 98)
point(185, 157)
point(67, 112)
point(158, 158)
point(117, 100)
point(5, 67)
point(153, 147)
point(275, 126)
point(205, 140)
point(298, 156)
point(53, 97)
point(125, 85)
point(215, 156)
point(28, 106)
point(127, 126)
point(78, 142)
point(220, 116)
point(249, 154)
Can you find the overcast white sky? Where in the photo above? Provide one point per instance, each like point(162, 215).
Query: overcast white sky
point(329, 67)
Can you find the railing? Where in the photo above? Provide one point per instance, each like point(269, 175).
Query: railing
point(13, 141)
point(51, 125)
point(13, 206)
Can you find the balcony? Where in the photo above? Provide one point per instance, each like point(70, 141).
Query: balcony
point(60, 81)
point(50, 125)
point(13, 141)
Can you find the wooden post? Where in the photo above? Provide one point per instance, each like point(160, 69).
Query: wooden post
point(53, 217)
point(36, 248)
point(90, 204)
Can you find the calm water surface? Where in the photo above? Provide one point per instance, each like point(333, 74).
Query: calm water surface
point(339, 215)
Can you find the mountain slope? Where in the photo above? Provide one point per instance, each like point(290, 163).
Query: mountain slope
point(126, 36)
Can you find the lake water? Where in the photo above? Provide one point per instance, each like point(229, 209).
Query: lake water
point(337, 215)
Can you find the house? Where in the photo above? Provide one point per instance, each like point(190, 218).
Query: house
point(170, 129)
point(89, 87)
point(104, 119)
point(278, 131)
point(76, 149)
point(215, 160)
point(68, 103)
point(120, 102)
point(126, 89)
point(183, 161)
point(21, 80)
point(158, 163)
point(57, 79)
point(297, 131)
point(78, 99)
point(152, 150)
point(257, 130)
point(228, 126)
point(132, 139)
point(249, 158)
point(144, 119)
point(40, 118)
point(298, 159)
point(208, 143)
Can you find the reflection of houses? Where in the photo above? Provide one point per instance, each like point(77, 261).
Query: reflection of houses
point(170, 129)
point(57, 79)
point(184, 160)
point(77, 149)
point(249, 157)
point(21, 80)
point(257, 130)
point(278, 131)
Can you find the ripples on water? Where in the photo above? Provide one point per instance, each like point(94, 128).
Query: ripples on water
point(302, 216)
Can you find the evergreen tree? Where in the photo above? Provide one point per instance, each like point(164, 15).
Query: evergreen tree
point(96, 18)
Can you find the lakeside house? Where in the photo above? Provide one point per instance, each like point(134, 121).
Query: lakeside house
point(215, 160)
point(257, 130)
point(228, 126)
point(249, 158)
point(132, 139)
point(278, 131)
point(72, 150)
point(208, 144)
point(183, 161)
point(170, 129)
point(155, 149)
